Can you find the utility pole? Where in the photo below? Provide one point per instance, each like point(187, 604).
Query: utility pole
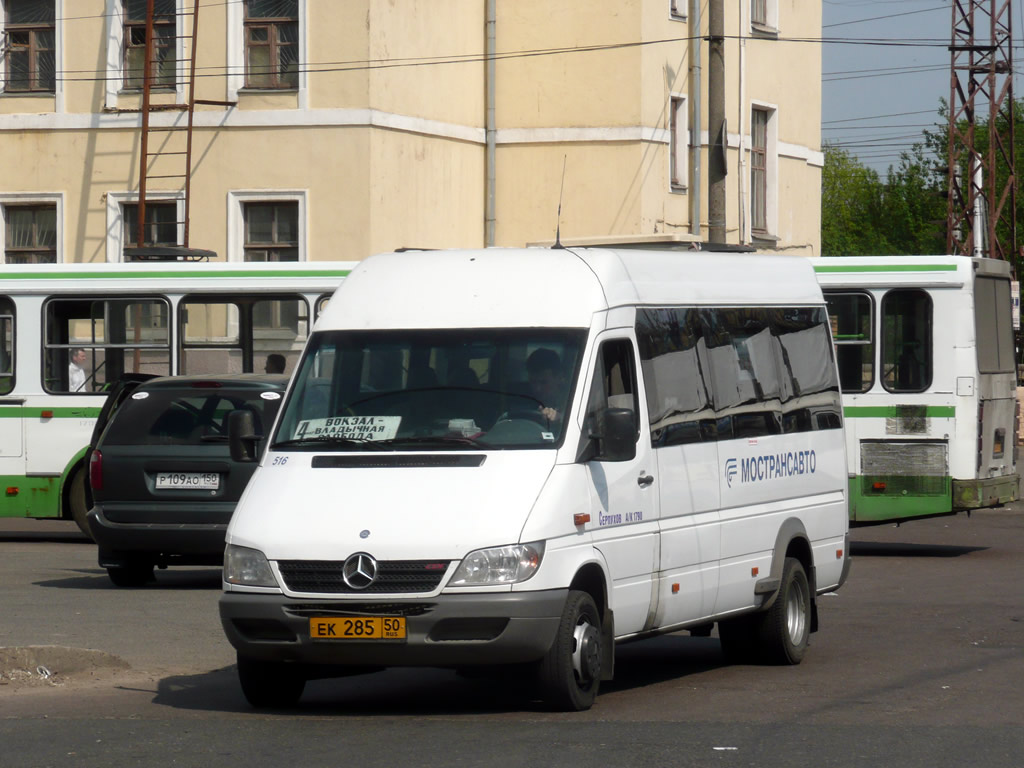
point(717, 136)
point(981, 212)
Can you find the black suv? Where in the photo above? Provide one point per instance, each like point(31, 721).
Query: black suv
point(162, 480)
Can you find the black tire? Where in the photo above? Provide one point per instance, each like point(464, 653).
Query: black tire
point(785, 628)
point(77, 501)
point(739, 639)
point(270, 684)
point(570, 673)
point(132, 575)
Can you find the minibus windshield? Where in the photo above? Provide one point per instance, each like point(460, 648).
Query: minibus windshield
point(487, 388)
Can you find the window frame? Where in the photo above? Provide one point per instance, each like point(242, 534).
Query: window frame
point(33, 199)
point(274, 45)
point(134, 82)
point(48, 347)
point(274, 245)
point(237, 200)
point(677, 10)
point(34, 250)
point(767, 226)
point(236, 54)
point(928, 363)
point(679, 143)
point(870, 342)
point(115, 75)
point(116, 228)
point(8, 379)
point(764, 24)
point(6, 27)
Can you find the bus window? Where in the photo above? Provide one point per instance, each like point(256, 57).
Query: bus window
point(6, 345)
point(91, 342)
point(321, 304)
point(993, 320)
point(850, 317)
point(906, 340)
point(241, 334)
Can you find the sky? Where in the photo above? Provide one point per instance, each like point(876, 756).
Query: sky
point(877, 99)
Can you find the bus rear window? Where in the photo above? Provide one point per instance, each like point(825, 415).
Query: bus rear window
point(993, 321)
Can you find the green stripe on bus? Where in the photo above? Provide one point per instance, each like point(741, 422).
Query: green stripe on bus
point(210, 273)
point(887, 268)
point(897, 411)
point(17, 412)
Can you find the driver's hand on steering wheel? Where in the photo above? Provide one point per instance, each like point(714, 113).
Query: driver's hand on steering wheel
point(549, 413)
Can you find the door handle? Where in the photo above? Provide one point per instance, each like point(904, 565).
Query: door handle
point(644, 480)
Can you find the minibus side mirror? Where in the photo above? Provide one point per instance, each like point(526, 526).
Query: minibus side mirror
point(615, 438)
point(242, 437)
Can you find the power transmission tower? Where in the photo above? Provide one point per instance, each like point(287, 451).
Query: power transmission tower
point(981, 217)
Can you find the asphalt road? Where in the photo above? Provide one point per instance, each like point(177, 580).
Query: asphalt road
point(919, 662)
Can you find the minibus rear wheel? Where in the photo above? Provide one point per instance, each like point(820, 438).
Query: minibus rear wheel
point(570, 673)
point(270, 683)
point(786, 626)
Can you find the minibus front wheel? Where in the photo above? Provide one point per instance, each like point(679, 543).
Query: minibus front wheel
point(570, 673)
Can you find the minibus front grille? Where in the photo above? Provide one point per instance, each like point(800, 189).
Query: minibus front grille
point(389, 460)
point(308, 610)
point(393, 576)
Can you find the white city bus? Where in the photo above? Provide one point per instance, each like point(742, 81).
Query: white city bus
point(927, 368)
point(68, 331)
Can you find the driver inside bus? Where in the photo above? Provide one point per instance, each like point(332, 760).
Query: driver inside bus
point(547, 381)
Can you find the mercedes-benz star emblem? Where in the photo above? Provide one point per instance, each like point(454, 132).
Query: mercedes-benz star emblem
point(359, 571)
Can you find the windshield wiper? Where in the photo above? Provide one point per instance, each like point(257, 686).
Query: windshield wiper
point(328, 439)
point(432, 440)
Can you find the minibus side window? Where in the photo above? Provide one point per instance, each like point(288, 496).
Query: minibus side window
point(810, 398)
point(906, 340)
point(744, 374)
point(614, 382)
point(850, 318)
point(674, 361)
point(6, 345)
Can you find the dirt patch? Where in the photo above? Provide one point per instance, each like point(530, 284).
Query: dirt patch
point(54, 666)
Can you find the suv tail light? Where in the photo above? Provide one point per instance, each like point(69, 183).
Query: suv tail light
point(96, 471)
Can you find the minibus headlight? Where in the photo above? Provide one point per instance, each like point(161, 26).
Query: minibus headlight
point(499, 565)
point(248, 567)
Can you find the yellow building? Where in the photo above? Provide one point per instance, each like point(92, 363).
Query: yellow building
point(333, 129)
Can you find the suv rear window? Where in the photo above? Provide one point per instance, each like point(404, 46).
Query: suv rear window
point(176, 417)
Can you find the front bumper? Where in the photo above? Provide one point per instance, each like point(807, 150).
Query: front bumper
point(442, 631)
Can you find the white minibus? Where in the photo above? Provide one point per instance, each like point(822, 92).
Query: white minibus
point(527, 456)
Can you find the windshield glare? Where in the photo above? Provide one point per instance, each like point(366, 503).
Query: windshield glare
point(434, 389)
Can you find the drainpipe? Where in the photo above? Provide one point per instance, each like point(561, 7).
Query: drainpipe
point(717, 136)
point(741, 161)
point(491, 129)
point(696, 146)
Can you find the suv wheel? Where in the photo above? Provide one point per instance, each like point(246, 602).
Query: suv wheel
point(133, 575)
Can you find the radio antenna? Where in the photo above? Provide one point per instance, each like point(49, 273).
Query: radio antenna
point(558, 223)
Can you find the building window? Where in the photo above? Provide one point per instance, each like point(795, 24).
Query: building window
point(677, 9)
point(161, 226)
point(164, 34)
point(679, 142)
point(271, 44)
point(30, 234)
point(759, 170)
point(271, 231)
point(29, 46)
point(759, 12)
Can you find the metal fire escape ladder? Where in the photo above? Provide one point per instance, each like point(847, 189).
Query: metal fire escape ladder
point(174, 146)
